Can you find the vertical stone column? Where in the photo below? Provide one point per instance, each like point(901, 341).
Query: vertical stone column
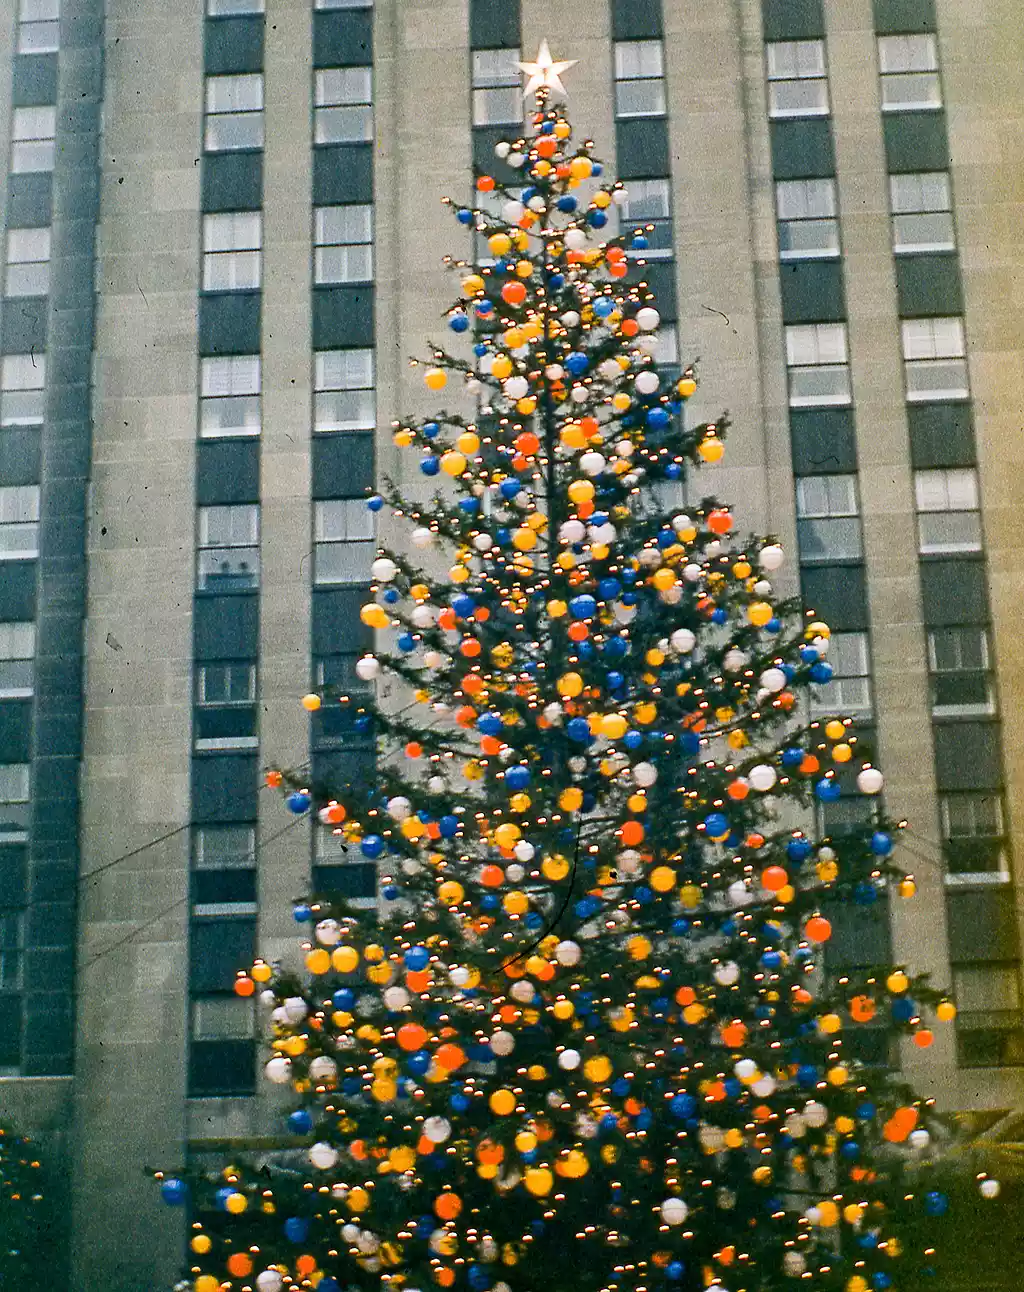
point(133, 935)
point(887, 503)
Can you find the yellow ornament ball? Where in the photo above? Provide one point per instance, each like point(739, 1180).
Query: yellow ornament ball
point(835, 730)
point(516, 903)
point(907, 888)
point(711, 450)
point(526, 405)
point(614, 726)
point(842, 753)
point(499, 244)
point(852, 1213)
point(759, 613)
point(828, 871)
point(206, 1283)
point(563, 1009)
point(945, 1010)
point(472, 284)
point(201, 1244)
point(686, 387)
point(829, 1024)
point(694, 1013)
point(507, 835)
point(570, 685)
point(581, 491)
point(524, 540)
point(621, 401)
point(311, 703)
point(358, 1199)
point(374, 616)
point(599, 1068)
point(503, 1103)
point(554, 867)
point(451, 892)
point(236, 1203)
point(837, 1076)
point(435, 378)
point(689, 896)
point(318, 961)
point(664, 578)
point(345, 959)
point(502, 365)
point(581, 168)
point(897, 982)
point(468, 442)
point(662, 879)
point(452, 463)
point(828, 1214)
point(639, 947)
point(538, 1181)
point(524, 268)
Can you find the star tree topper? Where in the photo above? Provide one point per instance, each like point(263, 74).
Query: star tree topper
point(544, 72)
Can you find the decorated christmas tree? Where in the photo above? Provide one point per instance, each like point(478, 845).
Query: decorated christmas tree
point(591, 1037)
point(27, 1230)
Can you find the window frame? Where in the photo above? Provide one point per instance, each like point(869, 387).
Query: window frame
point(801, 105)
point(324, 546)
point(831, 698)
point(15, 800)
point(349, 245)
point(326, 396)
point(939, 480)
point(927, 351)
point(15, 685)
point(15, 389)
point(937, 671)
point(241, 253)
point(12, 948)
point(241, 116)
point(627, 79)
point(235, 394)
point(912, 211)
point(787, 224)
point(327, 109)
point(23, 265)
point(39, 32)
point(30, 496)
point(501, 87)
point(818, 526)
point(812, 335)
point(895, 78)
point(209, 551)
point(32, 144)
point(996, 842)
point(662, 230)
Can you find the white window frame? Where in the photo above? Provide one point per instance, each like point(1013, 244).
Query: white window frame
point(345, 392)
point(654, 192)
point(22, 389)
point(828, 515)
point(17, 659)
point(229, 396)
point(343, 243)
point(935, 359)
point(27, 262)
point(19, 522)
point(948, 492)
point(233, 8)
point(232, 251)
point(849, 691)
point(951, 640)
point(639, 79)
point(497, 87)
point(342, 4)
point(343, 111)
point(228, 536)
point(797, 76)
point(922, 212)
point(33, 139)
point(243, 859)
point(344, 532)
point(224, 1018)
point(39, 26)
point(807, 211)
point(817, 359)
point(234, 113)
point(998, 875)
point(909, 71)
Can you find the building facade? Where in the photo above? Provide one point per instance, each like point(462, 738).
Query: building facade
point(222, 242)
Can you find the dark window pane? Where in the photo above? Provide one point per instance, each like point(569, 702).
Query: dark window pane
point(222, 1068)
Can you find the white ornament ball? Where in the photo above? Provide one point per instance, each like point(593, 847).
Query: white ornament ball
point(989, 1189)
point(919, 1138)
point(674, 1211)
point(569, 1060)
point(645, 774)
point(592, 464)
point(572, 531)
point(764, 1086)
point(367, 668)
point(516, 159)
point(568, 953)
point(762, 777)
point(522, 991)
point(399, 808)
point(437, 1129)
point(295, 1009)
point(323, 1068)
point(815, 1114)
point(554, 372)
point(773, 679)
point(610, 370)
point(433, 659)
point(269, 1281)
point(516, 387)
point(483, 542)
point(323, 1156)
point(739, 893)
point(870, 780)
point(502, 1043)
point(647, 382)
point(571, 318)
point(328, 933)
point(278, 1070)
point(535, 203)
point(512, 212)
point(727, 974)
point(648, 318)
point(395, 998)
point(683, 640)
point(692, 572)
point(771, 557)
point(745, 1069)
point(575, 239)
point(524, 850)
point(735, 661)
point(383, 570)
point(502, 149)
point(422, 537)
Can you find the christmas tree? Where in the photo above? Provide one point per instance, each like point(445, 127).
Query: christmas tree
point(27, 1228)
point(591, 1038)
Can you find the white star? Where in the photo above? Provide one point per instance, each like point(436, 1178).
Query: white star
point(545, 72)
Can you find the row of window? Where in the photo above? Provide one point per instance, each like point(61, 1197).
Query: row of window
point(343, 112)
point(934, 362)
point(235, 8)
point(233, 243)
point(807, 211)
point(798, 80)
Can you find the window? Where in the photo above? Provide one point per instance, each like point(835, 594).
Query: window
point(17, 660)
point(922, 212)
point(234, 113)
point(218, 847)
point(639, 78)
point(229, 399)
point(28, 262)
point(819, 372)
point(32, 136)
point(229, 554)
point(223, 1018)
point(344, 106)
point(343, 871)
point(344, 543)
point(910, 73)
point(961, 678)
point(948, 518)
point(14, 805)
point(989, 1014)
point(19, 522)
point(342, 4)
point(849, 691)
point(344, 244)
point(228, 8)
point(828, 524)
point(344, 398)
point(38, 26)
point(848, 815)
point(226, 706)
point(648, 207)
point(22, 378)
point(497, 87)
point(10, 950)
point(231, 251)
point(935, 362)
point(663, 346)
point(808, 228)
point(338, 673)
point(973, 835)
point(797, 83)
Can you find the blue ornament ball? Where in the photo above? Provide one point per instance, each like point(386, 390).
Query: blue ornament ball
point(174, 1192)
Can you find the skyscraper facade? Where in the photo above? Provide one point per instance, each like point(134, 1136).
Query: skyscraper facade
point(223, 241)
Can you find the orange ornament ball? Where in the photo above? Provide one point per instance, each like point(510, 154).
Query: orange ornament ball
point(719, 521)
point(513, 293)
point(274, 779)
point(244, 986)
point(411, 1036)
point(485, 184)
point(450, 1056)
point(239, 1264)
point(862, 1009)
point(413, 749)
point(923, 1038)
point(774, 877)
point(492, 876)
point(447, 1206)
point(632, 833)
point(818, 929)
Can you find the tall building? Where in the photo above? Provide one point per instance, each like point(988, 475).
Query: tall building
point(222, 242)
